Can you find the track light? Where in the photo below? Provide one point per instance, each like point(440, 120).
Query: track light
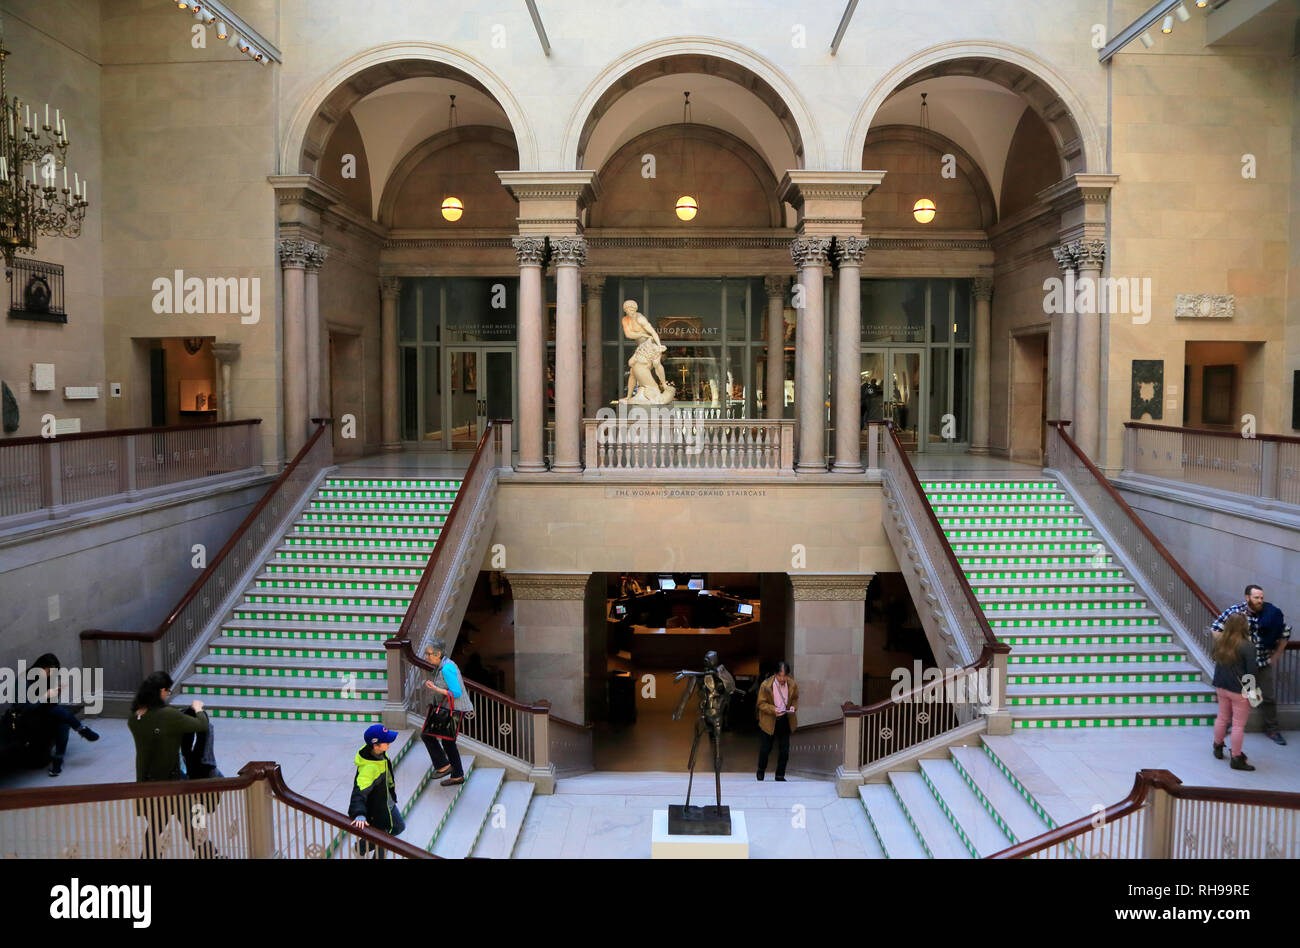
point(234, 40)
point(1167, 26)
point(244, 46)
point(1182, 13)
point(1147, 41)
point(182, 4)
point(223, 31)
point(1202, 3)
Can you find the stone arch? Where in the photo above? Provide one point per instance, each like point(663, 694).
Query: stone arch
point(431, 145)
point(1072, 127)
point(332, 97)
point(709, 56)
point(629, 154)
point(944, 145)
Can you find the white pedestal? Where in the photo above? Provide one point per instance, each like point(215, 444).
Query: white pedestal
point(663, 846)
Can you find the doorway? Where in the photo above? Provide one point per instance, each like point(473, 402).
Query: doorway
point(346, 391)
point(480, 386)
point(1027, 422)
point(891, 391)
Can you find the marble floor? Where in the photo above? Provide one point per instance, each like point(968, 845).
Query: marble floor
point(408, 464)
point(970, 466)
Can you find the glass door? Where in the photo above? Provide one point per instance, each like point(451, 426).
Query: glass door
point(480, 386)
point(892, 391)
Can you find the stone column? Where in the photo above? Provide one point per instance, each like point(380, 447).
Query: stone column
point(293, 262)
point(1063, 331)
point(980, 393)
point(826, 635)
point(389, 290)
point(569, 254)
point(1089, 254)
point(848, 355)
point(315, 260)
point(226, 354)
point(531, 252)
point(593, 364)
point(774, 384)
point(809, 255)
point(549, 637)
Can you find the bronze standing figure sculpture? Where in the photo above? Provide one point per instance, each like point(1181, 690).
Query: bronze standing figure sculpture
point(716, 687)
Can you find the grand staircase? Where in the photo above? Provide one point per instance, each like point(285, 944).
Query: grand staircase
point(1087, 648)
point(307, 641)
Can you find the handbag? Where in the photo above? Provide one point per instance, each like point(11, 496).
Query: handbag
point(1251, 691)
point(440, 722)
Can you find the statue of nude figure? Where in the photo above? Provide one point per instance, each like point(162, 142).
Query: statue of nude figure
point(646, 383)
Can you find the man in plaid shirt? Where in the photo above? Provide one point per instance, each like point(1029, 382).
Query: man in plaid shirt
point(1270, 633)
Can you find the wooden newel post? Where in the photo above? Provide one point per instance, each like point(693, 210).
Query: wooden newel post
point(1158, 831)
point(394, 715)
point(260, 807)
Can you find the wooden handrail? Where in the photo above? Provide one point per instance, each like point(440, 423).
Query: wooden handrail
point(197, 585)
point(453, 515)
point(990, 640)
point(123, 432)
point(1144, 782)
point(537, 707)
point(1234, 434)
point(1137, 522)
point(108, 635)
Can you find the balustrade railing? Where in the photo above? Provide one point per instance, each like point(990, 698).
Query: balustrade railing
point(667, 442)
point(128, 656)
point(1162, 577)
point(50, 477)
point(251, 816)
point(1266, 466)
point(1162, 819)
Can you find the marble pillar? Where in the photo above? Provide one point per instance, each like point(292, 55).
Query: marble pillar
point(774, 384)
point(980, 391)
point(390, 289)
point(569, 254)
point(1089, 255)
point(549, 640)
point(593, 365)
point(293, 263)
point(1064, 329)
point(531, 252)
point(809, 255)
point(311, 308)
point(825, 647)
point(848, 354)
point(226, 354)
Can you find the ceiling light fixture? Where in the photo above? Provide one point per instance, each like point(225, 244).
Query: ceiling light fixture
point(1167, 27)
point(1147, 41)
point(686, 207)
point(1182, 12)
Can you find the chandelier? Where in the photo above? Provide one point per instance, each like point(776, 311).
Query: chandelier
point(30, 154)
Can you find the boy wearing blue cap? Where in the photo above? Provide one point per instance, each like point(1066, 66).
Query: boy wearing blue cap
point(374, 791)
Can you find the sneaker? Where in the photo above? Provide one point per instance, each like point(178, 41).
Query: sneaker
point(87, 733)
point(1239, 763)
point(453, 781)
point(1276, 737)
point(761, 776)
point(1218, 751)
point(56, 767)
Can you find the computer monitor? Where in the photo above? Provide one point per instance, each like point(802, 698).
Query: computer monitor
point(695, 584)
point(667, 582)
point(745, 609)
point(620, 610)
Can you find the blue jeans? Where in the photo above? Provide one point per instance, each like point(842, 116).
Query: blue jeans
point(63, 721)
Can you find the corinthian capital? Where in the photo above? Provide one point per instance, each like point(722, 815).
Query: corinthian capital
point(390, 287)
point(1089, 254)
point(810, 251)
point(983, 287)
point(529, 251)
point(850, 250)
point(316, 255)
point(569, 251)
point(294, 251)
point(776, 286)
point(1064, 255)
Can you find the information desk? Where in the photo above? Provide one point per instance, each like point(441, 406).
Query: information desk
point(685, 648)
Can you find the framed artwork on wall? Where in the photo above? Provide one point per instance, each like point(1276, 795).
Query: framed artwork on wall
point(1148, 396)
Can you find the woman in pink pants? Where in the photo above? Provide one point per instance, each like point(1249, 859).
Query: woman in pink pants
point(1234, 659)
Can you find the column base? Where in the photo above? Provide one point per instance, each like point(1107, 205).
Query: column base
point(567, 468)
point(978, 449)
point(802, 468)
point(530, 467)
point(848, 467)
point(392, 447)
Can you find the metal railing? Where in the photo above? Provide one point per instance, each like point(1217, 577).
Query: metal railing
point(1264, 465)
point(1162, 819)
point(1159, 572)
point(251, 816)
point(127, 657)
point(45, 478)
point(959, 696)
point(665, 442)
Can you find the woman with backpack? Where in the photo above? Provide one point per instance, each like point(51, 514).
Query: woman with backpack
point(1234, 660)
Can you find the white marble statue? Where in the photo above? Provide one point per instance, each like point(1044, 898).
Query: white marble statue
point(646, 383)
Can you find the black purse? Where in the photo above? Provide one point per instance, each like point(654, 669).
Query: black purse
point(440, 722)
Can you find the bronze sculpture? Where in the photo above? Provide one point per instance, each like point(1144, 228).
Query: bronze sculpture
point(716, 686)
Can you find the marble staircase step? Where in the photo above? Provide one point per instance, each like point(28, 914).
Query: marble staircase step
point(963, 808)
point(889, 823)
point(1017, 816)
point(926, 816)
point(471, 812)
point(498, 842)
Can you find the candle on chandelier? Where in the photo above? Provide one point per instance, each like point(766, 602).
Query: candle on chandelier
point(57, 120)
point(47, 115)
point(27, 123)
point(4, 169)
point(76, 184)
point(65, 180)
